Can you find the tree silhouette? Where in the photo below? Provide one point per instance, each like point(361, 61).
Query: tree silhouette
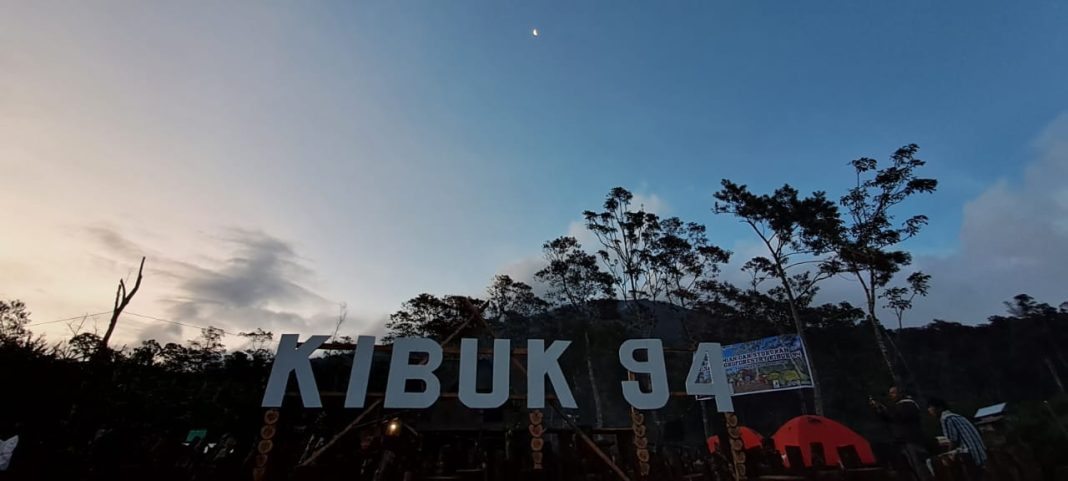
point(626, 238)
point(797, 234)
point(868, 248)
point(572, 275)
point(427, 315)
point(512, 300)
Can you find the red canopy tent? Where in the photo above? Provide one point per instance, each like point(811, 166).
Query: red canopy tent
point(750, 439)
point(803, 431)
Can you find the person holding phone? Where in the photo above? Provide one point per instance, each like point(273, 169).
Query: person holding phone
point(903, 416)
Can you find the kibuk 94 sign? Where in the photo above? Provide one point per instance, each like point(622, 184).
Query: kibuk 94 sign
point(543, 363)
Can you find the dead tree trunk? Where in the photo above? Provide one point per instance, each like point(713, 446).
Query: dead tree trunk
point(122, 298)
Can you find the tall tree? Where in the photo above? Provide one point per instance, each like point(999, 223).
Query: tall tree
point(427, 315)
point(797, 234)
point(685, 260)
point(572, 275)
point(869, 248)
point(575, 279)
point(649, 258)
point(207, 350)
point(626, 238)
point(510, 299)
point(258, 343)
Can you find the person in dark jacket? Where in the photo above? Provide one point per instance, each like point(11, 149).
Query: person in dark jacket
point(903, 416)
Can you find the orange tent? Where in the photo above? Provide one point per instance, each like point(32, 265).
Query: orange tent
point(750, 439)
point(804, 431)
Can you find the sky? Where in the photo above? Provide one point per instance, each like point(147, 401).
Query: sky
point(274, 160)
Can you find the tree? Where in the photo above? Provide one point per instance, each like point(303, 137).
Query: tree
point(626, 237)
point(575, 279)
point(122, 299)
point(899, 298)
point(146, 353)
point(868, 248)
point(176, 357)
point(207, 351)
point(84, 345)
point(427, 315)
point(511, 300)
point(572, 275)
point(13, 321)
point(648, 257)
point(685, 260)
point(798, 234)
point(258, 343)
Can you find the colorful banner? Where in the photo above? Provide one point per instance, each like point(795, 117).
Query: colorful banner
point(769, 364)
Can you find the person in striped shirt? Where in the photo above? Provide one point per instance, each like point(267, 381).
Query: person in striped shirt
point(963, 436)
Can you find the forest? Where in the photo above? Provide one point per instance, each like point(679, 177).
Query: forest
point(81, 405)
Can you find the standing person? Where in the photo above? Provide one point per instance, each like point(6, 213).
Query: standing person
point(903, 416)
point(964, 438)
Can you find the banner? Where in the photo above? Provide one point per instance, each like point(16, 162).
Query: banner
point(770, 364)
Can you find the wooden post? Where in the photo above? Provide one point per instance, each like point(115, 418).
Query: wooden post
point(536, 442)
point(266, 444)
point(582, 435)
point(641, 443)
point(734, 433)
point(472, 314)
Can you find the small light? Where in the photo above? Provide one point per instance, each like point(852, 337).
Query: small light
point(534, 32)
point(393, 427)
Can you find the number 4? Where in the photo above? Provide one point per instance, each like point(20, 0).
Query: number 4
point(716, 384)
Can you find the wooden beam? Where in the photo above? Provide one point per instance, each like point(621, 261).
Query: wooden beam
point(343, 432)
point(472, 314)
point(585, 438)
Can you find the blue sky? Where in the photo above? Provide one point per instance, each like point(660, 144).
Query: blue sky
point(364, 152)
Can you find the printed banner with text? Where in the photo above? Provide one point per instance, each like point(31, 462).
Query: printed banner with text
point(770, 364)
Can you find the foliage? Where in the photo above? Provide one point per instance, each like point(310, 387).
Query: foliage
point(797, 233)
point(572, 275)
point(869, 247)
point(512, 300)
point(899, 298)
point(14, 319)
point(427, 315)
point(648, 257)
point(169, 389)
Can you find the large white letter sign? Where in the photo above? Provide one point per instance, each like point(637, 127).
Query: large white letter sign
point(653, 366)
point(542, 363)
point(291, 358)
point(469, 395)
point(717, 384)
point(400, 371)
point(361, 372)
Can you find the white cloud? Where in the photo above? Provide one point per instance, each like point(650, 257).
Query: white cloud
point(650, 203)
point(251, 280)
point(1012, 241)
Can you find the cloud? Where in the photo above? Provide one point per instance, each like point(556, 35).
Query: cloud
point(262, 271)
point(523, 270)
point(651, 203)
point(1012, 241)
point(261, 283)
point(255, 280)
